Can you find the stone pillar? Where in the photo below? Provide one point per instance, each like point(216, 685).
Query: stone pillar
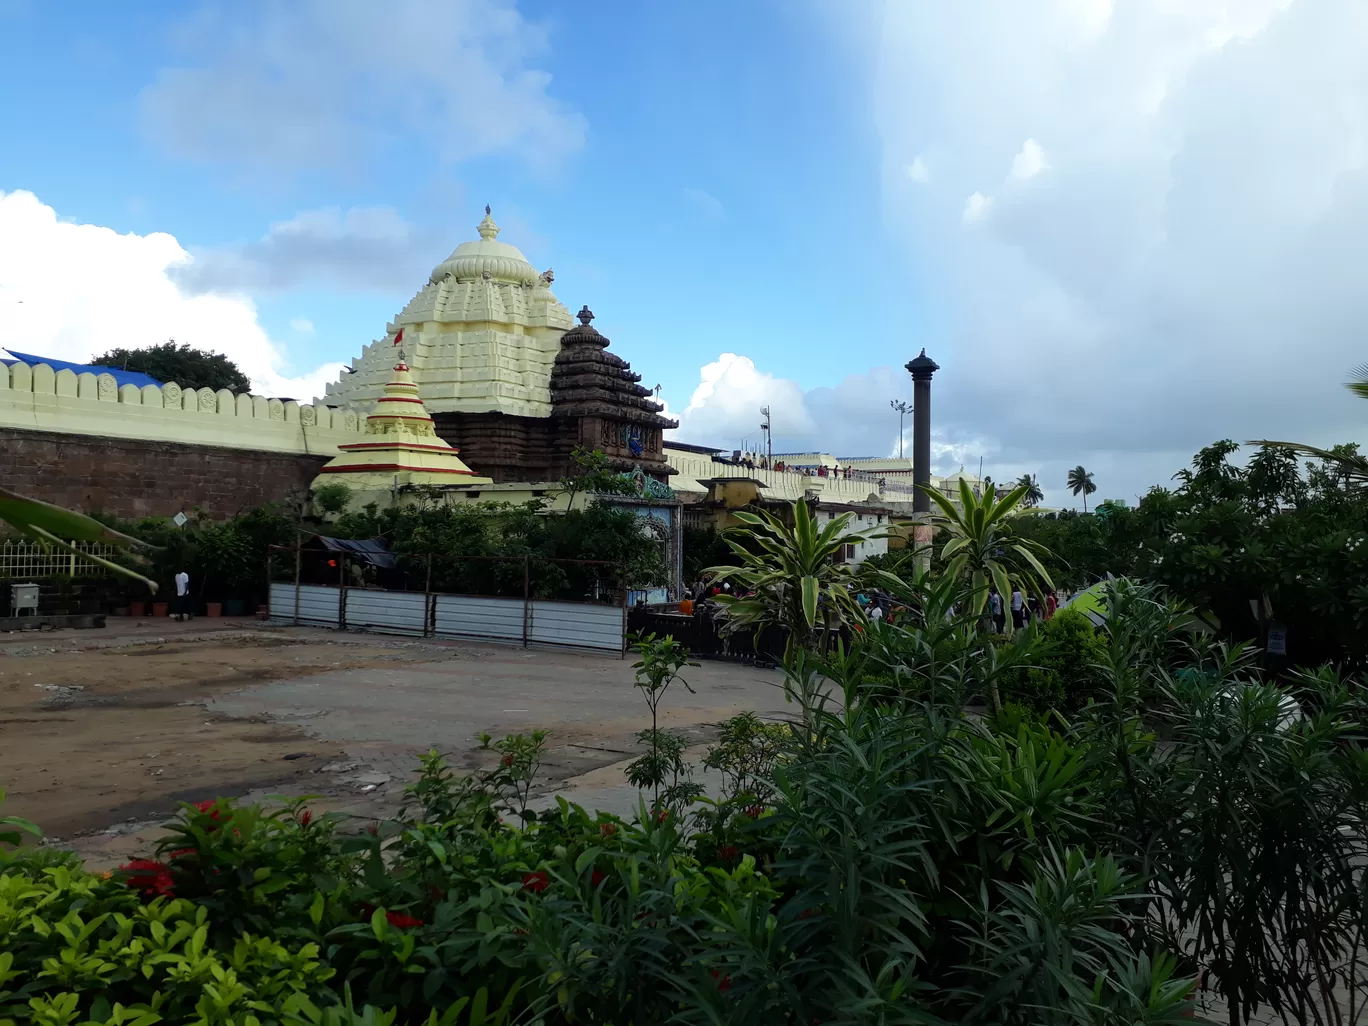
point(921, 370)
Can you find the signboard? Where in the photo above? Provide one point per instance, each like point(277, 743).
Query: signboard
point(180, 520)
point(1277, 639)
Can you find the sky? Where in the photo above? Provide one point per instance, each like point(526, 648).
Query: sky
point(1123, 228)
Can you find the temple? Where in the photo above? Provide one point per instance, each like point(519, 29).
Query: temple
point(401, 448)
point(506, 375)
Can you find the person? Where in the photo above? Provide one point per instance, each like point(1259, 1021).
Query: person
point(995, 610)
point(1051, 604)
point(876, 612)
point(686, 606)
point(182, 595)
point(1018, 608)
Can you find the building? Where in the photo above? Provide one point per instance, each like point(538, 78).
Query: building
point(507, 376)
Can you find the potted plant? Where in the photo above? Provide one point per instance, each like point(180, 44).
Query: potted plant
point(213, 609)
point(137, 608)
point(160, 609)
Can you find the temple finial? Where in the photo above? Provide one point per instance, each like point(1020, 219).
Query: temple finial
point(487, 228)
point(585, 315)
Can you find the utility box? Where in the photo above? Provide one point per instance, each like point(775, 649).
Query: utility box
point(22, 597)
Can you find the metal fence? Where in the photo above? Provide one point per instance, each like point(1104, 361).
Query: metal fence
point(28, 560)
point(507, 599)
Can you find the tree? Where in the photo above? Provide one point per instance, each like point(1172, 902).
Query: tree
point(1033, 492)
point(593, 473)
point(1081, 481)
point(983, 545)
point(793, 574)
point(186, 366)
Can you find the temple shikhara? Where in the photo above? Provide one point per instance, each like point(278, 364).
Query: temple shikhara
point(507, 375)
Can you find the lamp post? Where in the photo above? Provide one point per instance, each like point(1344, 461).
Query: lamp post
point(903, 409)
point(769, 437)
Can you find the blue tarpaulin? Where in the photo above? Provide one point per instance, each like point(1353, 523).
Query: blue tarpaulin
point(121, 377)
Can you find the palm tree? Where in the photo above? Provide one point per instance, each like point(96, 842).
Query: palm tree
point(1081, 480)
point(984, 546)
point(1351, 465)
point(793, 574)
point(1033, 492)
point(58, 528)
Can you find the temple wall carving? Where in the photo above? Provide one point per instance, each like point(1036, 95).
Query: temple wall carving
point(38, 398)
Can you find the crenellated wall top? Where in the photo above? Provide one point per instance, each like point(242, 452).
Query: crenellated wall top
point(38, 398)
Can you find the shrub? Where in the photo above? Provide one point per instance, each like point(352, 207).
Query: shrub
point(1065, 671)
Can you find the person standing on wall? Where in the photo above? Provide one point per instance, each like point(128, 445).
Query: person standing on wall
point(1018, 609)
point(182, 595)
point(995, 609)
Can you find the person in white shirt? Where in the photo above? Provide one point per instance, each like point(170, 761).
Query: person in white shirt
point(182, 595)
point(875, 612)
point(1018, 609)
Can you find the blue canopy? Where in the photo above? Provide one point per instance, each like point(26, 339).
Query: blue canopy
point(121, 377)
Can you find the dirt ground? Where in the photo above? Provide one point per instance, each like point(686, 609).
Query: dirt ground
point(102, 733)
point(92, 738)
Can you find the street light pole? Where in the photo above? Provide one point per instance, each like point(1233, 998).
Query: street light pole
point(902, 408)
point(769, 437)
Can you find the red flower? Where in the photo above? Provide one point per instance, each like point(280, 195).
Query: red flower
point(597, 877)
point(508, 760)
point(607, 829)
point(402, 921)
point(723, 982)
point(148, 877)
point(305, 817)
point(662, 815)
point(727, 852)
point(208, 806)
point(180, 853)
point(373, 830)
point(755, 811)
point(536, 881)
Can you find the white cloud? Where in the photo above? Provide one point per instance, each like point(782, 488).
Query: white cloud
point(976, 207)
point(71, 291)
point(918, 171)
point(1191, 267)
point(1030, 161)
point(362, 249)
point(302, 325)
point(333, 84)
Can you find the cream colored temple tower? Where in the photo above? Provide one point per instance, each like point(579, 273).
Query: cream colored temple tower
point(482, 336)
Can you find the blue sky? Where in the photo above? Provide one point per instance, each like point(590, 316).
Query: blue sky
point(1100, 216)
point(728, 162)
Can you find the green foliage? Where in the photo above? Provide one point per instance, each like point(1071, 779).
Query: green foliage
point(1067, 666)
point(331, 498)
point(186, 366)
point(596, 473)
point(901, 861)
point(612, 534)
point(663, 764)
point(982, 544)
point(792, 575)
point(1228, 534)
point(12, 831)
point(1080, 482)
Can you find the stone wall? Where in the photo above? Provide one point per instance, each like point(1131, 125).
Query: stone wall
point(138, 478)
point(40, 399)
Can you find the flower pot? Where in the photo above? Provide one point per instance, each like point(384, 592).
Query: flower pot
point(263, 613)
point(161, 609)
point(234, 607)
point(213, 609)
point(137, 609)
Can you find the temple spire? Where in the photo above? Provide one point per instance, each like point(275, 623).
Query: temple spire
point(489, 231)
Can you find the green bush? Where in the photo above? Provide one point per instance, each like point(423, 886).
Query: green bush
point(1065, 666)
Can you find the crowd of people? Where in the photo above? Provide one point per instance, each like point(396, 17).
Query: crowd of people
point(879, 606)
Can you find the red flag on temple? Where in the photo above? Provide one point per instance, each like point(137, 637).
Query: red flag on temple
point(399, 337)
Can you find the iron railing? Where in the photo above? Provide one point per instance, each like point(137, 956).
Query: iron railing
point(27, 560)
